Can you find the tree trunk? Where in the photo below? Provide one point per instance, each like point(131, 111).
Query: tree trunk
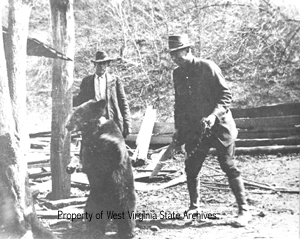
point(18, 218)
point(62, 80)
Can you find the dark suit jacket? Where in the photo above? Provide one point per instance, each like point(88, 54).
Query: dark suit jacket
point(117, 106)
point(200, 90)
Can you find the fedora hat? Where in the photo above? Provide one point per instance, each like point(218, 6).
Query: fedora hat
point(177, 42)
point(101, 56)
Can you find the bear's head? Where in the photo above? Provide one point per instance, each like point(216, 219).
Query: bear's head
point(86, 114)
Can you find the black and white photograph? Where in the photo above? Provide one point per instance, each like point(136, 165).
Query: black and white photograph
point(163, 119)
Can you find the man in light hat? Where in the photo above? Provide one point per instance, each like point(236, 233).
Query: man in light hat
point(103, 85)
point(203, 98)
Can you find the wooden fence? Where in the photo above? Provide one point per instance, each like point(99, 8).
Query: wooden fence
point(264, 130)
point(267, 129)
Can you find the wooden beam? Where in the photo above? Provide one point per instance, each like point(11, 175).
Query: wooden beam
point(268, 122)
point(63, 32)
point(165, 155)
point(268, 149)
point(144, 136)
point(267, 111)
point(257, 124)
point(291, 140)
point(147, 187)
point(268, 134)
point(56, 204)
point(273, 136)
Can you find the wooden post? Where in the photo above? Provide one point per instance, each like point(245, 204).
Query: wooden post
point(18, 217)
point(62, 80)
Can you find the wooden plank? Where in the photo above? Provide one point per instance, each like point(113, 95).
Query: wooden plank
point(40, 134)
point(38, 165)
point(39, 175)
point(268, 149)
point(267, 111)
point(264, 150)
point(144, 136)
point(150, 186)
point(54, 214)
point(155, 139)
point(39, 161)
point(260, 124)
point(272, 122)
point(292, 140)
point(143, 133)
point(56, 204)
point(268, 134)
point(165, 155)
point(164, 139)
point(162, 171)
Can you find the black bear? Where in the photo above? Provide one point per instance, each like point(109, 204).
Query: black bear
point(106, 162)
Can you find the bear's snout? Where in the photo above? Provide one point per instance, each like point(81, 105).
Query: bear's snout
point(68, 126)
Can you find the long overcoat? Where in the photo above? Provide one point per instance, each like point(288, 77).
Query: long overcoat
point(201, 90)
point(117, 105)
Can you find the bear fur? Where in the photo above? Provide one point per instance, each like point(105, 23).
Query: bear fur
point(105, 160)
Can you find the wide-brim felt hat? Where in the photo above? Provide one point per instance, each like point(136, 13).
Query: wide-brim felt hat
point(178, 42)
point(102, 56)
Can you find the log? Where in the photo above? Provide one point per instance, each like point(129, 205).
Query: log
point(292, 140)
point(147, 187)
point(267, 111)
point(268, 134)
point(260, 124)
point(40, 134)
point(163, 139)
point(268, 149)
point(268, 122)
point(37, 146)
point(39, 161)
point(39, 165)
point(53, 214)
point(284, 149)
point(39, 175)
point(56, 204)
point(276, 137)
point(162, 171)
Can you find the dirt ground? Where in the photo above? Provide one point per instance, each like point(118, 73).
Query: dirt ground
point(275, 214)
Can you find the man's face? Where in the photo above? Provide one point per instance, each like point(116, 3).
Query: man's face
point(101, 67)
point(179, 56)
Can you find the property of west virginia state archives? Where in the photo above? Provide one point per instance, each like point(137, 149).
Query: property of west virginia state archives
point(144, 215)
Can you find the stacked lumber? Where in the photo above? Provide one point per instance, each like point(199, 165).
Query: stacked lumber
point(262, 130)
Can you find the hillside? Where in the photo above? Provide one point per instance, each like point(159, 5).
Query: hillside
point(257, 46)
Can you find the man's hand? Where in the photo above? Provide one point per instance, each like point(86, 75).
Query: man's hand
point(175, 140)
point(126, 132)
point(175, 136)
point(211, 119)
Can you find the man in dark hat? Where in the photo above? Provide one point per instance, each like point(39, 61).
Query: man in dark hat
point(202, 98)
point(103, 85)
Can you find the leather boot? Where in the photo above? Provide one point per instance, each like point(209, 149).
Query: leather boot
point(193, 188)
point(238, 189)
